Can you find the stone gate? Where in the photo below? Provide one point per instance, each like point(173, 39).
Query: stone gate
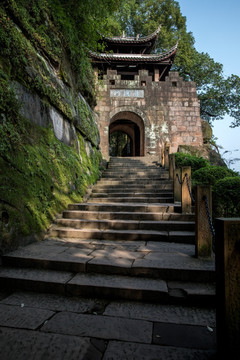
point(138, 95)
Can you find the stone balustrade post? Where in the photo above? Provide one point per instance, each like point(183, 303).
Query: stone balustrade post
point(186, 198)
point(177, 191)
point(203, 234)
point(171, 166)
point(228, 287)
point(167, 149)
point(162, 157)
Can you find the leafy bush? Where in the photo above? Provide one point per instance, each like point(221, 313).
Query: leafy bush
point(195, 162)
point(211, 174)
point(226, 197)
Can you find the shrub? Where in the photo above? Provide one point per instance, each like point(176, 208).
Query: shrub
point(211, 174)
point(226, 197)
point(195, 162)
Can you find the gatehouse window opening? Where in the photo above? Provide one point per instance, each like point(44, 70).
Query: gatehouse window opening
point(127, 77)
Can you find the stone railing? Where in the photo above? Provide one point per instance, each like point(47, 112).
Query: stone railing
point(226, 239)
point(227, 261)
point(200, 203)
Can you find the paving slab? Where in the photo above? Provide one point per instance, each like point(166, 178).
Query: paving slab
point(34, 345)
point(118, 350)
point(163, 313)
point(186, 336)
point(64, 261)
point(125, 287)
point(34, 279)
point(45, 248)
point(103, 327)
point(193, 288)
point(23, 317)
point(4, 294)
point(55, 302)
point(166, 247)
point(110, 265)
point(174, 266)
point(125, 243)
point(115, 252)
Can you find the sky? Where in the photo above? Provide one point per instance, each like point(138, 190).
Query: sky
point(215, 25)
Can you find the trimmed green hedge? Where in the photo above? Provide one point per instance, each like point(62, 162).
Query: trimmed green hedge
point(211, 174)
point(195, 162)
point(226, 197)
point(225, 183)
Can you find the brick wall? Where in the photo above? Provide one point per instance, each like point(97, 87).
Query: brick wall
point(167, 111)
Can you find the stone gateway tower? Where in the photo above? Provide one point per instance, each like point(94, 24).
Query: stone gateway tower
point(142, 105)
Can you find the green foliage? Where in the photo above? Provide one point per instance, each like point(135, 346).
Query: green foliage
point(226, 197)
point(195, 162)
point(59, 30)
point(211, 174)
point(80, 23)
point(225, 183)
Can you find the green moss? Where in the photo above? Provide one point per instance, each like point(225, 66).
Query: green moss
point(40, 175)
point(85, 121)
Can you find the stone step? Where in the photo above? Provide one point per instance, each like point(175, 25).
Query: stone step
point(105, 286)
point(120, 166)
point(168, 261)
point(131, 199)
point(186, 237)
point(107, 215)
point(135, 171)
point(163, 186)
point(127, 207)
point(167, 188)
point(134, 160)
point(111, 193)
point(134, 176)
point(135, 182)
point(127, 225)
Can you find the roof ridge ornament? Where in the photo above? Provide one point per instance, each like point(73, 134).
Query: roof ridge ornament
point(133, 39)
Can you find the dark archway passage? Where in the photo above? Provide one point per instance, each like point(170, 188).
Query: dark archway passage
point(126, 129)
point(120, 144)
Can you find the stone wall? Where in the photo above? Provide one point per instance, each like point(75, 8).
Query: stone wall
point(169, 111)
point(49, 148)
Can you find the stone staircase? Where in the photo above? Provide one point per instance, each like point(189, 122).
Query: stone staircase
point(129, 241)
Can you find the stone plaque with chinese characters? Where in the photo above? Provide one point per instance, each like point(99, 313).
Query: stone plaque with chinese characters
point(127, 93)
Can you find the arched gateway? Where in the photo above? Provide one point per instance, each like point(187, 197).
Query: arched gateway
point(140, 98)
point(131, 143)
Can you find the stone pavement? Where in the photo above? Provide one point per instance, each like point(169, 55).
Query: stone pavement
point(112, 280)
point(47, 326)
point(136, 270)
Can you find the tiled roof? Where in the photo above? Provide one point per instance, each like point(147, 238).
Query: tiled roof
point(132, 40)
point(135, 57)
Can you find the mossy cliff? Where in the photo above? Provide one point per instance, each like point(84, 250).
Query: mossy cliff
point(49, 151)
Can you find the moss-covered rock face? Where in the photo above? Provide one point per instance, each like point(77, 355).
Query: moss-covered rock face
point(49, 139)
point(207, 132)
